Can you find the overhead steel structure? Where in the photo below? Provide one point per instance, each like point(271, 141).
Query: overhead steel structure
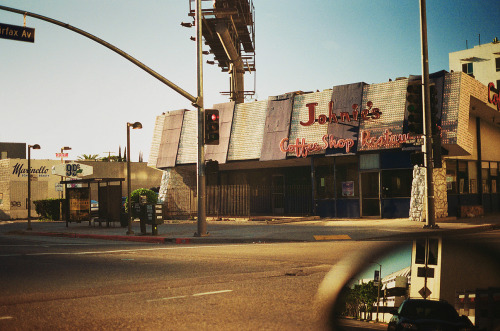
point(229, 30)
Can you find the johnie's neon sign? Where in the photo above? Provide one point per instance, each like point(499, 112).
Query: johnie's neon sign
point(355, 115)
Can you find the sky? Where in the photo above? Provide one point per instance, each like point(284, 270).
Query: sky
point(67, 90)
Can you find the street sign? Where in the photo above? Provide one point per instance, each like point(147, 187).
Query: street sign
point(59, 187)
point(72, 170)
point(15, 32)
point(61, 154)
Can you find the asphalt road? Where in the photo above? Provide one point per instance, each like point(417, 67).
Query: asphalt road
point(50, 283)
point(58, 283)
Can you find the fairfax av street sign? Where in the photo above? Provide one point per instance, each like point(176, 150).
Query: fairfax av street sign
point(19, 33)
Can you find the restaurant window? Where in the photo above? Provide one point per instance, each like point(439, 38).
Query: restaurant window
point(463, 177)
point(468, 69)
point(369, 161)
point(346, 177)
point(325, 184)
point(472, 177)
point(396, 183)
point(485, 174)
point(451, 176)
point(494, 176)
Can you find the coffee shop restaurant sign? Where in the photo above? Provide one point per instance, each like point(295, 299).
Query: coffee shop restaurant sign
point(301, 148)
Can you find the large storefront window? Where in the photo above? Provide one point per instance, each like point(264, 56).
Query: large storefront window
point(461, 177)
point(346, 172)
point(396, 183)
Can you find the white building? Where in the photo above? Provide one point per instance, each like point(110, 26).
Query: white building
point(481, 62)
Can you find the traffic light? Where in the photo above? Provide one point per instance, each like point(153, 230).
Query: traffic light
point(414, 107)
point(211, 134)
point(435, 122)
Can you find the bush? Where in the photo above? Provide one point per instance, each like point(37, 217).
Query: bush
point(151, 198)
point(49, 208)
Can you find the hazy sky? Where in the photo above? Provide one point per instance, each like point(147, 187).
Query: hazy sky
point(66, 90)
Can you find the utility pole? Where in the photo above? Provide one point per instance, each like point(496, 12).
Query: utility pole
point(427, 147)
point(200, 161)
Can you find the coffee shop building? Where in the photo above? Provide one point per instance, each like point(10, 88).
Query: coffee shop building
point(344, 152)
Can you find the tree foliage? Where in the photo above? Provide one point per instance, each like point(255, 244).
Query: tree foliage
point(359, 298)
point(89, 157)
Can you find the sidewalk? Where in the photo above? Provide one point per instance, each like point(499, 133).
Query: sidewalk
point(254, 230)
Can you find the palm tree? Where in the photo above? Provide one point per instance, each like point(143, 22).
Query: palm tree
point(89, 157)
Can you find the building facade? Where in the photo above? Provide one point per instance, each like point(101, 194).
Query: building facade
point(45, 184)
point(481, 62)
point(344, 152)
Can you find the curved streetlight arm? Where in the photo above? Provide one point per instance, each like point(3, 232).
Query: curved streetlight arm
point(197, 102)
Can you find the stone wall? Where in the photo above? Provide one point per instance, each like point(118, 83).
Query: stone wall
point(417, 201)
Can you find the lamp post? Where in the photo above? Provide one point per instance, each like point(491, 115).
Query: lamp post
point(378, 287)
point(36, 146)
point(65, 148)
point(136, 125)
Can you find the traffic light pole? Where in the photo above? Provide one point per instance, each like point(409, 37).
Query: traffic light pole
point(430, 210)
point(200, 163)
point(196, 101)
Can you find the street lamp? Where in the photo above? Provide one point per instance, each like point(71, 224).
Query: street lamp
point(378, 287)
point(65, 148)
point(36, 146)
point(136, 125)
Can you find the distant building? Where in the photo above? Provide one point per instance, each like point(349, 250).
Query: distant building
point(394, 290)
point(12, 151)
point(44, 184)
point(481, 62)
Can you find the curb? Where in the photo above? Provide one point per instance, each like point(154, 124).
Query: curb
point(155, 240)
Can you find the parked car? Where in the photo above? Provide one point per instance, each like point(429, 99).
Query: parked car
point(420, 314)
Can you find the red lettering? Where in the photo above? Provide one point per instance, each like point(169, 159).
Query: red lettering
point(344, 116)
point(331, 114)
point(322, 119)
point(312, 116)
point(493, 99)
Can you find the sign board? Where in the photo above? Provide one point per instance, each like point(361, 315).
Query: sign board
point(61, 154)
point(15, 32)
point(59, 187)
point(72, 170)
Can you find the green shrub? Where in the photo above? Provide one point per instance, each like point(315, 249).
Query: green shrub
point(49, 208)
point(151, 198)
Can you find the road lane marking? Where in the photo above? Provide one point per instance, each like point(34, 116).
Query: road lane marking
point(333, 237)
point(192, 295)
point(124, 250)
point(210, 293)
point(169, 298)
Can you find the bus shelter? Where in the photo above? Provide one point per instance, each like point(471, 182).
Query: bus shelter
point(80, 193)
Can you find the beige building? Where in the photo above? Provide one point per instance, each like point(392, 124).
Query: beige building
point(14, 182)
point(481, 62)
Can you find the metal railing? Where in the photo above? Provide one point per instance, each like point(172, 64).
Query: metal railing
point(241, 201)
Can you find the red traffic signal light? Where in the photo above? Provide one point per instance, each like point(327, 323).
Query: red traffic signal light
point(211, 134)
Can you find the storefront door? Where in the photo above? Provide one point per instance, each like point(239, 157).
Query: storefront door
point(370, 194)
point(278, 194)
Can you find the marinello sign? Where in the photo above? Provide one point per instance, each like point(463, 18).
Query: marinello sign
point(19, 33)
point(20, 171)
